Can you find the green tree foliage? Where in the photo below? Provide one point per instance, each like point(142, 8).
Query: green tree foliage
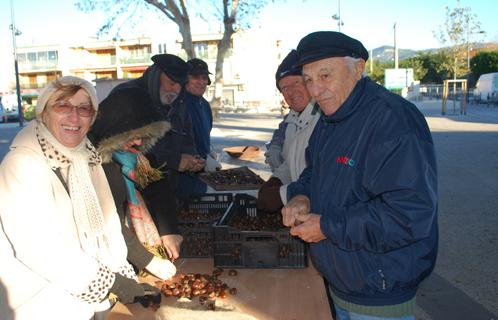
point(459, 25)
point(484, 62)
point(430, 67)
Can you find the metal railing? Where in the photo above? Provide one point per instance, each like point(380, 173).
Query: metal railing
point(37, 65)
point(101, 61)
point(145, 58)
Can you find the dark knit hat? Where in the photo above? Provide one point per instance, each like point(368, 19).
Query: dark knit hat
point(174, 67)
point(288, 67)
point(326, 44)
point(125, 114)
point(197, 67)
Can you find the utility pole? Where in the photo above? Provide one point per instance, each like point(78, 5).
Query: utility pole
point(395, 49)
point(16, 33)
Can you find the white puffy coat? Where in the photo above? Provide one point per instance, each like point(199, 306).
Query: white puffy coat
point(299, 129)
point(42, 265)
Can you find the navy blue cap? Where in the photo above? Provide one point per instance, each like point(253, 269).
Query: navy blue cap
point(288, 67)
point(326, 44)
point(175, 67)
point(197, 67)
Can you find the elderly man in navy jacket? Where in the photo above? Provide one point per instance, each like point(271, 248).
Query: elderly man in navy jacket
point(367, 202)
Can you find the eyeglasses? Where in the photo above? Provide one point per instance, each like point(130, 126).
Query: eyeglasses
point(65, 107)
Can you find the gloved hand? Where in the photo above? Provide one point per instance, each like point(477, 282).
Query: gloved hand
point(172, 244)
point(151, 297)
point(273, 156)
point(161, 268)
point(129, 291)
point(269, 195)
point(212, 164)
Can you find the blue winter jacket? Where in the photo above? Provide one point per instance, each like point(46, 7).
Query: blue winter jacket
point(372, 178)
point(202, 122)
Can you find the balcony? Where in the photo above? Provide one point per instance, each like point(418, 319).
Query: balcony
point(96, 61)
point(27, 66)
point(142, 59)
point(33, 85)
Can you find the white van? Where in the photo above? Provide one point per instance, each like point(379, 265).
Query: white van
point(487, 88)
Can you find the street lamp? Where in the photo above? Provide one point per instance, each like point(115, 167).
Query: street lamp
point(337, 16)
point(15, 33)
point(468, 44)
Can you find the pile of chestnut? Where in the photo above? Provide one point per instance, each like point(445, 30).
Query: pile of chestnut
point(206, 288)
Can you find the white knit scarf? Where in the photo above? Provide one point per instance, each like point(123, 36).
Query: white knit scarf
point(88, 215)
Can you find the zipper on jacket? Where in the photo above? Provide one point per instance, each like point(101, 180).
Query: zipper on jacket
point(383, 278)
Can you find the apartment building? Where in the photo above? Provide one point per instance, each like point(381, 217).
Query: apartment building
point(248, 70)
point(92, 60)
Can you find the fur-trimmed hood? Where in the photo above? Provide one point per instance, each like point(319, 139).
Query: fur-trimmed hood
point(149, 134)
point(125, 114)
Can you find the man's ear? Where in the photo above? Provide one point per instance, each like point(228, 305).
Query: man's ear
point(360, 68)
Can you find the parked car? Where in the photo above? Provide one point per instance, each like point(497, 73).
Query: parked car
point(9, 102)
point(3, 116)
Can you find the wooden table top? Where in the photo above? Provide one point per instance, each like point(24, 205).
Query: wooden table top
point(263, 294)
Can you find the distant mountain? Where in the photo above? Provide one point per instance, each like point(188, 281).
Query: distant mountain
point(386, 54)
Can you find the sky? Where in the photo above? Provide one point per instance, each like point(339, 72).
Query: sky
point(370, 21)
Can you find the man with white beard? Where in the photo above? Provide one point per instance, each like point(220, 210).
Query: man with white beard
point(175, 153)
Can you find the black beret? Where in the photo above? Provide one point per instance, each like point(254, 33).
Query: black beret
point(175, 67)
point(288, 67)
point(326, 44)
point(198, 66)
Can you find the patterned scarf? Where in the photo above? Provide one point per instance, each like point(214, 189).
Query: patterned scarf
point(136, 170)
point(87, 212)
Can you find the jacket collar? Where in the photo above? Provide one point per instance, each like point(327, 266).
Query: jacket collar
point(305, 116)
point(350, 105)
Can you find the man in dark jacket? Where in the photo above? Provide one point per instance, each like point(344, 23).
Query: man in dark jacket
point(202, 122)
point(367, 202)
point(175, 152)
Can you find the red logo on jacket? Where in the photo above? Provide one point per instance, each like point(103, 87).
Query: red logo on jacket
point(345, 160)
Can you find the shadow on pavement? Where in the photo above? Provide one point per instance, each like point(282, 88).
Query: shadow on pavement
point(441, 300)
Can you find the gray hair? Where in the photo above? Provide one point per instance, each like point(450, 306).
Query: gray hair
point(351, 62)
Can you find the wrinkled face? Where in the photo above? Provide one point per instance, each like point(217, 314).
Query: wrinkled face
point(65, 122)
point(294, 92)
point(197, 84)
point(331, 80)
point(168, 90)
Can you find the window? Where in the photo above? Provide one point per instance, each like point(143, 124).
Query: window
point(32, 57)
point(43, 56)
point(52, 55)
point(161, 48)
point(21, 57)
point(201, 50)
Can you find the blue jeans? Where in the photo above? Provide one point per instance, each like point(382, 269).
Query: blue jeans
point(342, 314)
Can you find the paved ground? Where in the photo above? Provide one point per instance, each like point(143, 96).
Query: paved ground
point(465, 282)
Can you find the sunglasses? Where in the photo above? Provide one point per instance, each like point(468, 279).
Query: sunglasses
point(65, 107)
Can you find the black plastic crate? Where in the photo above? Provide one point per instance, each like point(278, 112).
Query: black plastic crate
point(235, 248)
point(195, 222)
